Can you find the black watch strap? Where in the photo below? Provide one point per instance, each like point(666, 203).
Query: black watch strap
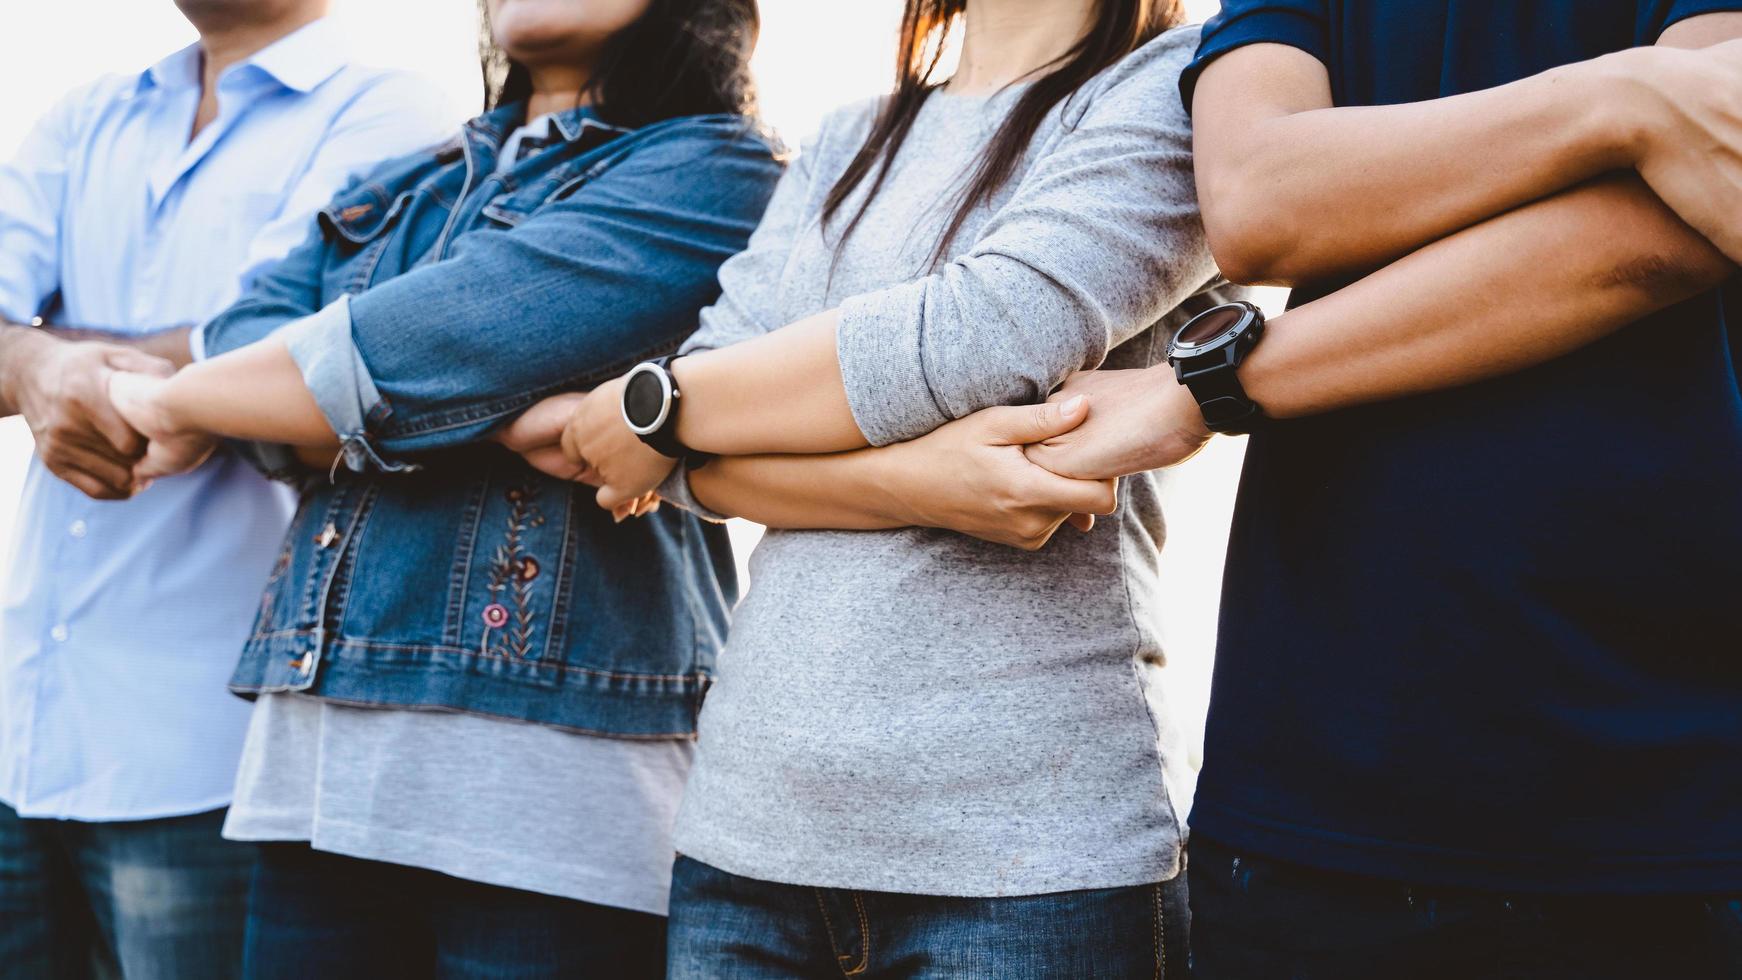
point(663, 440)
point(1221, 397)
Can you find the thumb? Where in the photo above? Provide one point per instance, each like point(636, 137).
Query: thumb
point(1019, 425)
point(139, 362)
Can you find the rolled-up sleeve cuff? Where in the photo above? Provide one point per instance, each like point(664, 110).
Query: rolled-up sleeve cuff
point(878, 342)
point(332, 367)
point(676, 491)
point(197, 342)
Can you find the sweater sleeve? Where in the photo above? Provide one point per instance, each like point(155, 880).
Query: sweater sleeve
point(1098, 241)
point(750, 280)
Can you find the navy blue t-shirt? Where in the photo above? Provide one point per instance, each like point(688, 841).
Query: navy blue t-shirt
point(1490, 637)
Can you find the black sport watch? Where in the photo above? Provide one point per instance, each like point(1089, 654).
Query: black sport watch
point(650, 404)
point(1206, 352)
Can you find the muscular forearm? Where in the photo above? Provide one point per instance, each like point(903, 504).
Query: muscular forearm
point(19, 345)
point(255, 393)
point(1511, 292)
point(170, 343)
point(1293, 190)
point(850, 491)
point(778, 393)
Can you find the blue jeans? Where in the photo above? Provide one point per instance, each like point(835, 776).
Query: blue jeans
point(145, 898)
point(727, 927)
point(1259, 919)
point(317, 914)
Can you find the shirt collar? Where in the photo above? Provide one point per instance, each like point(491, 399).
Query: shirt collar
point(300, 60)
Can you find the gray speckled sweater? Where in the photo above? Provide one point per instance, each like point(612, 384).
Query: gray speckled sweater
point(914, 710)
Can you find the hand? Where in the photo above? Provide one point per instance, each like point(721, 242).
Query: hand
point(537, 435)
point(1142, 420)
point(1690, 150)
point(971, 476)
point(61, 389)
point(598, 440)
point(144, 401)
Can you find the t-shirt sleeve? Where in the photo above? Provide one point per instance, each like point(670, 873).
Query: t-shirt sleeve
point(1661, 14)
point(1297, 23)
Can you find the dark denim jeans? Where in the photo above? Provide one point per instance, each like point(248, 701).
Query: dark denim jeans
point(146, 898)
point(316, 914)
point(727, 927)
point(1259, 919)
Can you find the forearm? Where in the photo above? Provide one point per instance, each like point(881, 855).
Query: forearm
point(1509, 293)
point(254, 393)
point(781, 392)
point(1294, 196)
point(853, 491)
point(19, 345)
point(169, 343)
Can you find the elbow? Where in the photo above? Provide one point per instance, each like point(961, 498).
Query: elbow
point(1253, 242)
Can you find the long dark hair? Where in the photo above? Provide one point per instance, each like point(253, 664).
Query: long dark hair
point(1120, 27)
point(679, 58)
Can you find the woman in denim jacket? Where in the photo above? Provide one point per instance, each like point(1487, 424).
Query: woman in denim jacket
point(477, 691)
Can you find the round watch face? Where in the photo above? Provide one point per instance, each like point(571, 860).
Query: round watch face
point(644, 400)
point(1209, 326)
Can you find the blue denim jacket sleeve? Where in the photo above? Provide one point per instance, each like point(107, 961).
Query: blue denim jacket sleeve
point(575, 294)
point(284, 291)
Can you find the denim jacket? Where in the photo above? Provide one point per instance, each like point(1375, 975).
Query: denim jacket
point(436, 300)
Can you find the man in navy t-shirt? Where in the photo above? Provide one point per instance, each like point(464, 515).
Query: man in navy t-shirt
point(1478, 698)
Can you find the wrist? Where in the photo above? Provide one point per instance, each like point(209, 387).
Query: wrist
point(1623, 104)
point(893, 493)
point(21, 353)
point(172, 403)
point(1173, 406)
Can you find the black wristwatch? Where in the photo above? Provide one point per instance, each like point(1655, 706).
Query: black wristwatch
point(650, 404)
point(1206, 352)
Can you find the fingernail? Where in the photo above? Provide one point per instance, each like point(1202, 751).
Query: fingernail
point(1071, 406)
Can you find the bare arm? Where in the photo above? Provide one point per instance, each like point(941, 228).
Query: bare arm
point(1510, 293)
point(969, 476)
point(1294, 190)
point(781, 392)
point(169, 344)
point(254, 393)
point(1530, 285)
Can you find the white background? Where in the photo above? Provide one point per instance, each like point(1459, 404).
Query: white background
point(814, 54)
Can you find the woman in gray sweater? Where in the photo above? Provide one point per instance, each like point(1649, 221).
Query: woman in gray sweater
point(928, 753)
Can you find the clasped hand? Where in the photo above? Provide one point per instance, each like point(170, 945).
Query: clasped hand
point(1012, 475)
point(91, 408)
point(581, 436)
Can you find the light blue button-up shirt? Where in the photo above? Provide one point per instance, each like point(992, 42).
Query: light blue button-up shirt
point(121, 621)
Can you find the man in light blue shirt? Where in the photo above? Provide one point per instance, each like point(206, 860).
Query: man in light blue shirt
point(139, 206)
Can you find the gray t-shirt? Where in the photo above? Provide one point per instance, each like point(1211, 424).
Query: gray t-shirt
point(486, 799)
point(914, 710)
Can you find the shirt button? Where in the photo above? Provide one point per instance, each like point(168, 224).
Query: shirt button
point(59, 633)
point(77, 529)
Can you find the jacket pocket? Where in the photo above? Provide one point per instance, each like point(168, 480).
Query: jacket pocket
point(362, 217)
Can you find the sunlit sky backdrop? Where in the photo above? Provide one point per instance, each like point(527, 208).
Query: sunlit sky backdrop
point(813, 55)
